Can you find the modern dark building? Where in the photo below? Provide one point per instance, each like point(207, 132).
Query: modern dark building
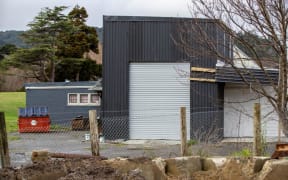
point(65, 100)
point(148, 74)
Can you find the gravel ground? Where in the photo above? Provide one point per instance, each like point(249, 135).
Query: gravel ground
point(21, 146)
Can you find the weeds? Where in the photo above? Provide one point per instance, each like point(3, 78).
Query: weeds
point(191, 142)
point(13, 138)
point(58, 127)
point(245, 152)
point(207, 136)
point(202, 153)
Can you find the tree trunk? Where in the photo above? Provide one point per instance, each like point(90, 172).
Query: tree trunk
point(283, 118)
point(77, 76)
point(52, 71)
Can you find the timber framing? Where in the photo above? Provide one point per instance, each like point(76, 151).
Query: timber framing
point(201, 69)
point(203, 80)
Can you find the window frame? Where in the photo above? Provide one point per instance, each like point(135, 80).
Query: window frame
point(98, 103)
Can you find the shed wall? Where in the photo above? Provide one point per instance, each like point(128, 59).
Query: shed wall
point(239, 106)
point(149, 39)
point(56, 101)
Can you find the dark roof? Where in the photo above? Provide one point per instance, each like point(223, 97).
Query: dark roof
point(151, 18)
point(56, 84)
point(229, 74)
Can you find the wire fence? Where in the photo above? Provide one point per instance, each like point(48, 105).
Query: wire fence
point(141, 134)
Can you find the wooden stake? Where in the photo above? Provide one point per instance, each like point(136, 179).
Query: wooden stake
point(4, 150)
point(279, 131)
point(94, 134)
point(183, 131)
point(257, 130)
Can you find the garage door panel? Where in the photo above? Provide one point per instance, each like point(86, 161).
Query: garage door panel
point(156, 93)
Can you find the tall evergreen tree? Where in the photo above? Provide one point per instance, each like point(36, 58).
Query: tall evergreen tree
point(82, 39)
point(44, 32)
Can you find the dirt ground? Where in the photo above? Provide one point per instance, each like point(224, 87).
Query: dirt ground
point(69, 169)
point(140, 169)
point(22, 145)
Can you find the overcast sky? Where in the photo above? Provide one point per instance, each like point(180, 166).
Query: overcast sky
point(16, 14)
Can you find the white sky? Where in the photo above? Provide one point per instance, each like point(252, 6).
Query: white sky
point(16, 14)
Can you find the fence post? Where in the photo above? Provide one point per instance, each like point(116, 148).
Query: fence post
point(183, 131)
point(257, 130)
point(4, 150)
point(279, 131)
point(94, 135)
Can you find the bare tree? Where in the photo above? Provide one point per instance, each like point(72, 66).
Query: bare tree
point(267, 19)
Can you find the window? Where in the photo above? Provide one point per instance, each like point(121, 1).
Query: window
point(72, 98)
point(94, 98)
point(84, 99)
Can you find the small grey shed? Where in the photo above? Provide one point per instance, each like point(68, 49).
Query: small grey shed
point(65, 100)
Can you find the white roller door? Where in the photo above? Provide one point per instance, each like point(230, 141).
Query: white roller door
point(156, 93)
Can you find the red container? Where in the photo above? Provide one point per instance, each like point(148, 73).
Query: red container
point(34, 124)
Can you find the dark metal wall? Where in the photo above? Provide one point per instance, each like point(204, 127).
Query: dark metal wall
point(207, 102)
point(56, 101)
point(151, 39)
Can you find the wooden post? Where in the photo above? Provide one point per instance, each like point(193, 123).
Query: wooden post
point(279, 131)
point(94, 135)
point(4, 150)
point(183, 131)
point(257, 131)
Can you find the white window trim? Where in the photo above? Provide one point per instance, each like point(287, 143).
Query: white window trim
point(83, 104)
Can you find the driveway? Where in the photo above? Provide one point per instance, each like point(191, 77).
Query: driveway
point(21, 146)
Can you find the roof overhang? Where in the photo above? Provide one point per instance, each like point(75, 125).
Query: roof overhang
point(241, 75)
point(61, 87)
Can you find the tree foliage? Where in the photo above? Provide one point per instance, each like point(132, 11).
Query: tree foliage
point(78, 70)
point(53, 37)
point(6, 50)
point(81, 39)
point(44, 33)
point(33, 60)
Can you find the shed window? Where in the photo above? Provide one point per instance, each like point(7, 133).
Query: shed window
point(84, 99)
point(72, 98)
point(95, 98)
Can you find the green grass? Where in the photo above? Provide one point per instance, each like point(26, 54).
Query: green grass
point(9, 104)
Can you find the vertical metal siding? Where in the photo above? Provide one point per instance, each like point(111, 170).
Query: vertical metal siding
point(146, 39)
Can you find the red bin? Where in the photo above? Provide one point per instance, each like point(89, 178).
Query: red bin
point(34, 124)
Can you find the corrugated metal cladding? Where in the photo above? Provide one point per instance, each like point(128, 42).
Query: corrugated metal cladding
point(157, 91)
point(146, 40)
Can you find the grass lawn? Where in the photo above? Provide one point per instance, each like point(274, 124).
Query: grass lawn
point(9, 103)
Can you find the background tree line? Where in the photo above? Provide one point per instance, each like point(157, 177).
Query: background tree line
point(54, 46)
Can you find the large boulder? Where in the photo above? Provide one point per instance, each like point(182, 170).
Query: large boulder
point(138, 167)
point(183, 167)
point(274, 169)
point(161, 164)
